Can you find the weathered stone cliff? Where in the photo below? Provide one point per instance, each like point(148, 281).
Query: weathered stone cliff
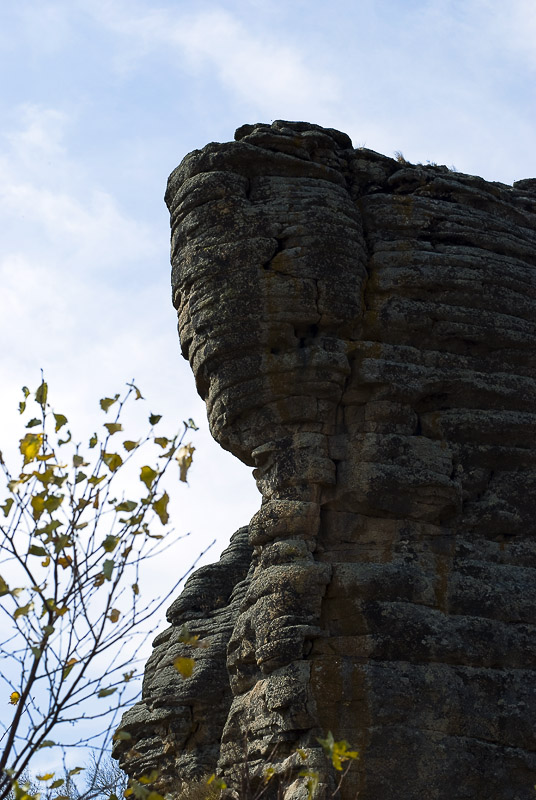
point(363, 332)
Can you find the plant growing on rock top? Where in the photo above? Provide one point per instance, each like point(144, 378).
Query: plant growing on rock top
point(73, 536)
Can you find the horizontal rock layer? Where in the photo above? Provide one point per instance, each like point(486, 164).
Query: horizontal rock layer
point(363, 333)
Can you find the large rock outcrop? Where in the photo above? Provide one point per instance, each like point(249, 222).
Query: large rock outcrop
point(363, 332)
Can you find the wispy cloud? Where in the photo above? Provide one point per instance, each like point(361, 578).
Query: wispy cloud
point(260, 69)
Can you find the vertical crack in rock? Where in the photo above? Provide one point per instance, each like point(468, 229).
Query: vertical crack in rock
point(363, 333)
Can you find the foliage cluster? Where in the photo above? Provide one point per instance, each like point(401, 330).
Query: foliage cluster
point(76, 526)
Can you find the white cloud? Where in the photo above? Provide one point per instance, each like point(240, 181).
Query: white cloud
point(259, 69)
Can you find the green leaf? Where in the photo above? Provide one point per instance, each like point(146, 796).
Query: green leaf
point(94, 481)
point(6, 508)
point(186, 637)
point(108, 568)
point(50, 527)
point(122, 736)
point(48, 629)
point(106, 692)
point(53, 502)
point(22, 407)
point(67, 440)
point(30, 445)
point(35, 550)
point(110, 543)
point(33, 423)
point(113, 427)
point(76, 770)
point(93, 441)
point(80, 476)
point(4, 588)
point(56, 783)
point(106, 402)
point(148, 475)
point(36, 652)
point(191, 424)
point(47, 743)
point(78, 461)
point(62, 541)
point(126, 505)
point(112, 460)
point(154, 419)
point(160, 508)
point(61, 420)
point(139, 395)
point(130, 445)
point(42, 394)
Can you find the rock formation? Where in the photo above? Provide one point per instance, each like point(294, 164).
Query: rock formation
point(363, 333)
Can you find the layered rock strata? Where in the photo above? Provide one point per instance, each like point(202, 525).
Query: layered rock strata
point(363, 333)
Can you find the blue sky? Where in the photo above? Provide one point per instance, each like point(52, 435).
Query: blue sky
point(101, 99)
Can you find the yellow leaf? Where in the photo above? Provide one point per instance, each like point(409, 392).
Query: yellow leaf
point(106, 402)
point(23, 611)
point(68, 666)
point(185, 666)
point(4, 588)
point(46, 777)
point(30, 446)
point(65, 561)
point(38, 504)
point(147, 476)
point(45, 562)
point(160, 508)
point(184, 458)
point(14, 698)
point(135, 588)
point(150, 778)
point(188, 638)
point(114, 615)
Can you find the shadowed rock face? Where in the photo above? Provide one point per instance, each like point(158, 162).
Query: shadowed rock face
point(363, 333)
